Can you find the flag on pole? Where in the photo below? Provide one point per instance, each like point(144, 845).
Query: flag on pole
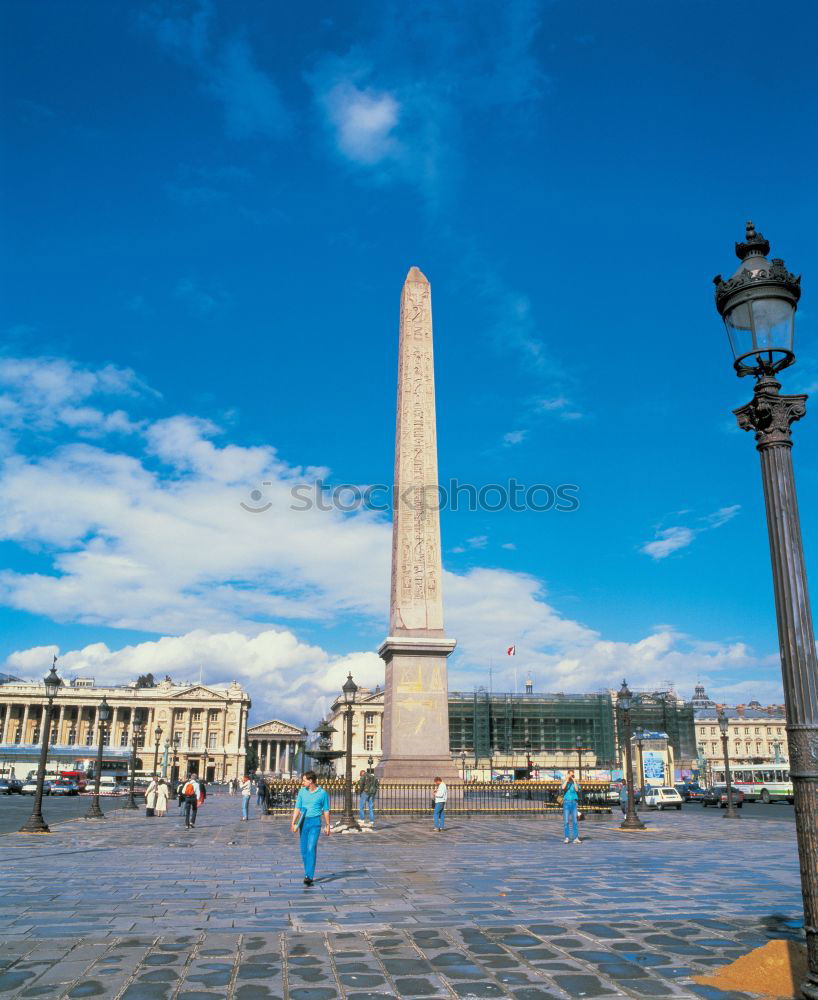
point(512, 650)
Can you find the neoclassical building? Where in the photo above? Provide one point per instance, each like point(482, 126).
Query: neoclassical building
point(203, 726)
point(278, 747)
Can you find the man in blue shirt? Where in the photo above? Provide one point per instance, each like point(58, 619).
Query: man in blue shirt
point(311, 806)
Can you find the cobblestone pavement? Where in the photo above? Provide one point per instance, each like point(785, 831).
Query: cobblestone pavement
point(142, 909)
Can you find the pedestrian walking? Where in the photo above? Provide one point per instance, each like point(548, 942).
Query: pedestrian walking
point(150, 797)
point(246, 791)
point(261, 793)
point(190, 795)
point(162, 796)
point(311, 807)
point(441, 798)
point(367, 788)
point(570, 804)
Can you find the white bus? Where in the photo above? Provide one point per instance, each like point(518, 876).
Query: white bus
point(765, 782)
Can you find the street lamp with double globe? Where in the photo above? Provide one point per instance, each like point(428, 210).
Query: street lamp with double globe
point(631, 820)
point(103, 715)
point(35, 823)
point(724, 725)
point(350, 688)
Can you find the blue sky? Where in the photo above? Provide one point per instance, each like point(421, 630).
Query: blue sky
point(208, 213)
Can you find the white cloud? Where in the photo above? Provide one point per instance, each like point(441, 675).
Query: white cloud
point(667, 541)
point(157, 541)
point(514, 437)
point(670, 540)
point(508, 545)
point(287, 677)
point(364, 122)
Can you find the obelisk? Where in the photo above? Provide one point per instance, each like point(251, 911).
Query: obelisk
point(416, 702)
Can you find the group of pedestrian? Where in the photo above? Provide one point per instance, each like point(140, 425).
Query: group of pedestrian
point(156, 797)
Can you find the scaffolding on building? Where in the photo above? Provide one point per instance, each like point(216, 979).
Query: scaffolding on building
point(486, 724)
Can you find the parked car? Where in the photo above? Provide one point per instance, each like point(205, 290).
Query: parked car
point(662, 798)
point(10, 786)
point(683, 789)
point(612, 795)
point(30, 788)
point(65, 787)
point(695, 792)
point(717, 796)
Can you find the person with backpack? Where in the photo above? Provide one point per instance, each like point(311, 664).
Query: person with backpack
point(367, 788)
point(190, 796)
point(570, 805)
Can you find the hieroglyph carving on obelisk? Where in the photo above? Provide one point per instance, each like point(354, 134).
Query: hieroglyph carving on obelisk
point(416, 601)
point(416, 710)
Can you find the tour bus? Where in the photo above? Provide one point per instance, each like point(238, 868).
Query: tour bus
point(765, 782)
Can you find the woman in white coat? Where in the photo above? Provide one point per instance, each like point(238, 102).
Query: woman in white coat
point(150, 797)
point(162, 796)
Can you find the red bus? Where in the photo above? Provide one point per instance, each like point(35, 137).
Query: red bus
point(77, 776)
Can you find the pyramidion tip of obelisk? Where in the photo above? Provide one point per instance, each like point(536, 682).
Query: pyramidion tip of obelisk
point(415, 274)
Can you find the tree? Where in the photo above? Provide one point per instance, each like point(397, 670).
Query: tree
point(251, 760)
point(145, 681)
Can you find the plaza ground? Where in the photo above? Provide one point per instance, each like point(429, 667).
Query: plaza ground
point(142, 909)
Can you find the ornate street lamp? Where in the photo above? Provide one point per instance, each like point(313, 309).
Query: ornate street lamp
point(369, 762)
point(724, 725)
point(136, 732)
point(157, 736)
point(631, 820)
point(758, 306)
point(103, 715)
point(463, 764)
point(35, 823)
point(177, 742)
point(639, 736)
point(350, 688)
point(580, 748)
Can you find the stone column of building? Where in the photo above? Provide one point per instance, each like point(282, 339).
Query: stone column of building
point(24, 724)
point(416, 711)
point(285, 764)
point(277, 745)
point(6, 720)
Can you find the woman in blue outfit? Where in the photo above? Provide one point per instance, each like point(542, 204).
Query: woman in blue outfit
point(570, 804)
point(311, 806)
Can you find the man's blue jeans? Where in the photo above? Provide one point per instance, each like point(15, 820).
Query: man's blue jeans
point(245, 807)
point(310, 832)
point(438, 816)
point(569, 819)
point(191, 808)
point(364, 801)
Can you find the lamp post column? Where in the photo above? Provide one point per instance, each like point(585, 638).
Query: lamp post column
point(35, 823)
point(349, 819)
point(770, 415)
point(131, 804)
point(349, 689)
point(103, 714)
point(631, 820)
point(639, 745)
point(731, 812)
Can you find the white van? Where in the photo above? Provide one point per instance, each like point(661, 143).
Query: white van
point(108, 785)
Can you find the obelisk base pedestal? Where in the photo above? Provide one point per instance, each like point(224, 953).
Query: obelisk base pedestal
point(416, 710)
